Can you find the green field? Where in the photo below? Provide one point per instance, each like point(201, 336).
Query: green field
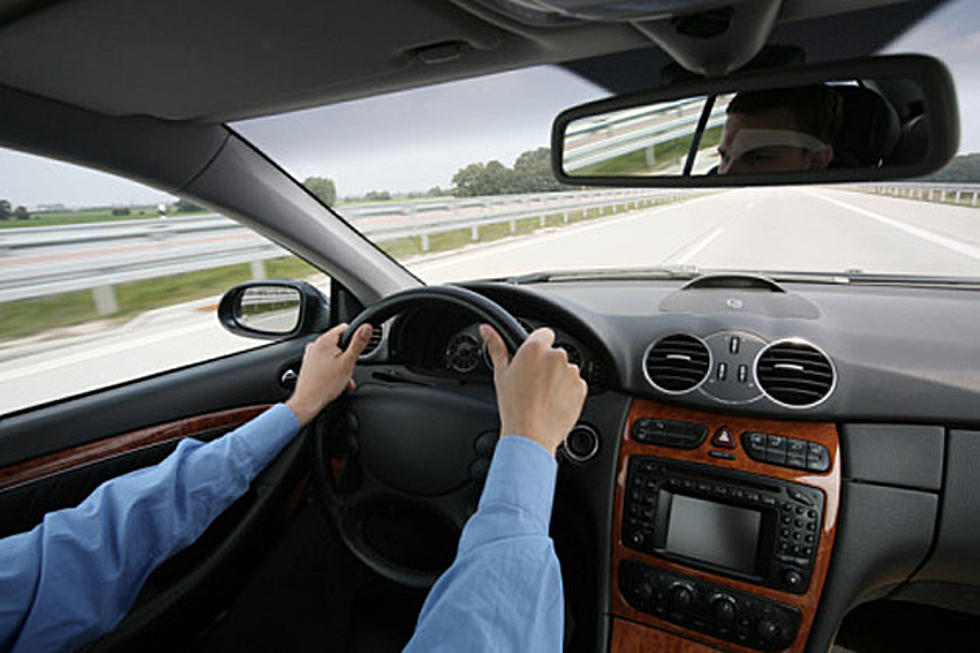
point(54, 219)
point(85, 216)
point(31, 316)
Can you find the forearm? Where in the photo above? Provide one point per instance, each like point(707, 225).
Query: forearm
point(76, 574)
point(503, 591)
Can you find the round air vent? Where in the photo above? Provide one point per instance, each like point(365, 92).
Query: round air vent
point(794, 373)
point(677, 363)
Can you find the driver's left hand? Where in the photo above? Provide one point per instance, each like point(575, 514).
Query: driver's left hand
point(326, 371)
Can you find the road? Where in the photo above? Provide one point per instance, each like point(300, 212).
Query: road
point(804, 229)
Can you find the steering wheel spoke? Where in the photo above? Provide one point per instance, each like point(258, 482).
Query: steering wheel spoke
point(415, 457)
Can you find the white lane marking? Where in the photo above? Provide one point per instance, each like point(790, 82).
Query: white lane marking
point(98, 352)
point(932, 237)
point(562, 232)
point(696, 249)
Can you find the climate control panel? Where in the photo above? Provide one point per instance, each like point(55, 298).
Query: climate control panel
point(713, 609)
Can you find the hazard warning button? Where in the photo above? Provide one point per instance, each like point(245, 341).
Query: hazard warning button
point(723, 438)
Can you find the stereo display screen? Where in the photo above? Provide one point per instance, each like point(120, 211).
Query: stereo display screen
point(727, 536)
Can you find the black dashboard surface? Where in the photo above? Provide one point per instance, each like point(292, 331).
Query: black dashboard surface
point(899, 353)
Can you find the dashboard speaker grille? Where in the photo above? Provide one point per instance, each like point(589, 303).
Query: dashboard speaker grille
point(677, 363)
point(794, 373)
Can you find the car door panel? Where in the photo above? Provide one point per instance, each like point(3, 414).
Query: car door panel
point(52, 457)
point(242, 379)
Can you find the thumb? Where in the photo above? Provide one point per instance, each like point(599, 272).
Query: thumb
point(496, 348)
point(358, 343)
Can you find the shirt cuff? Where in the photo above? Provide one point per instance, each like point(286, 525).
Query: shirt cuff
point(522, 475)
point(266, 435)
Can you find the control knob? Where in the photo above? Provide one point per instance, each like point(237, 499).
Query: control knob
point(768, 630)
point(682, 596)
point(643, 591)
point(793, 578)
point(723, 609)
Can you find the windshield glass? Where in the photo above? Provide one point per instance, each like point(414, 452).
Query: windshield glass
point(454, 181)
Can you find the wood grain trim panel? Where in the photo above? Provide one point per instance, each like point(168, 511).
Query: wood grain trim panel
point(828, 482)
point(628, 637)
point(68, 459)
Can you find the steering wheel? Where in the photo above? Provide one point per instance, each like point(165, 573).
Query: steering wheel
point(411, 449)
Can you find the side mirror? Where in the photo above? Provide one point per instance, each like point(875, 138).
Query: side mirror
point(274, 309)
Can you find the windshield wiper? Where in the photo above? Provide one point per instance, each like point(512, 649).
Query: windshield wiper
point(665, 272)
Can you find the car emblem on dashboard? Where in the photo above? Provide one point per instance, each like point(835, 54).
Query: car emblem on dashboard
point(734, 304)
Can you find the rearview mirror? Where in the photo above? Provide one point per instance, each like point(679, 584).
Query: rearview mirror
point(867, 119)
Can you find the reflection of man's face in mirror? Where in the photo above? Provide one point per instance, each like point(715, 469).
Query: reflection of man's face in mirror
point(779, 130)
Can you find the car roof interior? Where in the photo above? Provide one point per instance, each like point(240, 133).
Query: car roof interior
point(226, 60)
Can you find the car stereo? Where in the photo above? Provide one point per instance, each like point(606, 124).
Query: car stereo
point(758, 529)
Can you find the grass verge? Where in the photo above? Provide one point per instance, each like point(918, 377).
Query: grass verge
point(27, 317)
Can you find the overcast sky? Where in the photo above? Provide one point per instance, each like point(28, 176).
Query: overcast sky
point(417, 139)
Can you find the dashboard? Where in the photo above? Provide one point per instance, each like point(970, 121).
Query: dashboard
point(753, 460)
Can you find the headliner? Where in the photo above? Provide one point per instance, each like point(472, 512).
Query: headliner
point(223, 60)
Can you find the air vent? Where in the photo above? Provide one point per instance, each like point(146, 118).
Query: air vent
point(677, 363)
point(794, 373)
point(375, 340)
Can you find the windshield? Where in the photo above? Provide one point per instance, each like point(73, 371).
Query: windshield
point(454, 182)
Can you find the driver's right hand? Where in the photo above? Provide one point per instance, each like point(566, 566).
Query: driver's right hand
point(539, 393)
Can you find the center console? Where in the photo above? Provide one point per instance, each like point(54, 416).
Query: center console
point(721, 537)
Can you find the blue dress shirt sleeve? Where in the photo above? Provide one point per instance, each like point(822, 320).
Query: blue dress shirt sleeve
point(503, 592)
point(75, 575)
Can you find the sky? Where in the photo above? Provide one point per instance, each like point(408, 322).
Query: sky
point(417, 139)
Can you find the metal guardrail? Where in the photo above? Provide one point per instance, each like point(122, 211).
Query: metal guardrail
point(927, 191)
point(48, 270)
point(611, 119)
point(582, 153)
point(642, 139)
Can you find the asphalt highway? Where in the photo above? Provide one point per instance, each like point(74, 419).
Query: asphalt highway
point(800, 229)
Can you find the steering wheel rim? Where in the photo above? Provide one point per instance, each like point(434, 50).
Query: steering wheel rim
point(342, 509)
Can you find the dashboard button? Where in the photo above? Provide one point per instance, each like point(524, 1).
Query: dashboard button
point(723, 438)
point(733, 344)
point(792, 578)
point(743, 373)
point(722, 371)
point(817, 457)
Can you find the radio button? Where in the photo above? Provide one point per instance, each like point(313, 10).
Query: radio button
point(799, 496)
point(792, 578)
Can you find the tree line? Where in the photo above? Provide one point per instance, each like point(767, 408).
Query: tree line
point(531, 173)
point(964, 168)
point(6, 213)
